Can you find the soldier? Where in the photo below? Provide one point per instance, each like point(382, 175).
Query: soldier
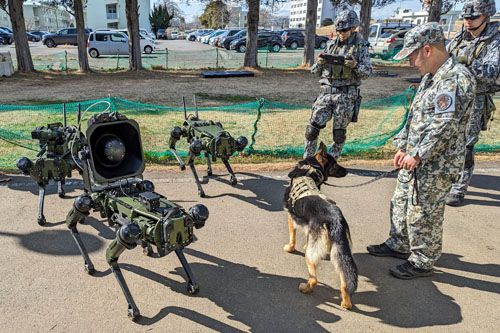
point(430, 153)
point(477, 46)
point(340, 81)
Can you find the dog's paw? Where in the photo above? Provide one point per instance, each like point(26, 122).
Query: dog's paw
point(346, 305)
point(289, 248)
point(305, 288)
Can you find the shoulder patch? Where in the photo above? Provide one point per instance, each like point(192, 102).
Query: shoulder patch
point(445, 102)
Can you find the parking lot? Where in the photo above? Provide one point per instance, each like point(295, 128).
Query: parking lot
point(176, 54)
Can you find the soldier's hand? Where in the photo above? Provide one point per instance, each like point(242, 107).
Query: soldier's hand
point(350, 62)
point(410, 163)
point(320, 61)
point(398, 158)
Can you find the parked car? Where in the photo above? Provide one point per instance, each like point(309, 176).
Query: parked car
point(284, 32)
point(161, 34)
point(206, 39)
point(228, 33)
point(63, 36)
point(214, 39)
point(378, 29)
point(226, 41)
point(293, 40)
point(7, 37)
point(174, 34)
point(200, 36)
point(150, 35)
point(39, 33)
point(389, 43)
point(193, 35)
point(33, 37)
point(113, 43)
point(145, 40)
point(269, 40)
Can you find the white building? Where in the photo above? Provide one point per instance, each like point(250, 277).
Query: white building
point(298, 12)
point(419, 17)
point(39, 16)
point(110, 14)
point(237, 17)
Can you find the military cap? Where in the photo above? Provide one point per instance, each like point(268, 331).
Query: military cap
point(346, 19)
point(425, 34)
point(475, 8)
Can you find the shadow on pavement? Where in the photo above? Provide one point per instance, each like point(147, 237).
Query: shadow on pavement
point(264, 302)
point(268, 191)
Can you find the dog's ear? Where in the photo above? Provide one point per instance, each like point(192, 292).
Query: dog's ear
point(321, 155)
point(335, 169)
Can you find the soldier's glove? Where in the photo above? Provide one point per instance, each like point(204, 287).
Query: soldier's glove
point(350, 62)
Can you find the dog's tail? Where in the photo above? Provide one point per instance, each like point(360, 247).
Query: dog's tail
point(341, 257)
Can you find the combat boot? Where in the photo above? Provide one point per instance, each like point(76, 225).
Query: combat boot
point(455, 200)
point(408, 271)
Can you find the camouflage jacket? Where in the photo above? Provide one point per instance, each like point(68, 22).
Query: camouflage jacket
point(356, 47)
point(480, 55)
point(435, 128)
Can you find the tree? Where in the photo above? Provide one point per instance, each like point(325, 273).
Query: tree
point(14, 8)
point(134, 40)
point(160, 17)
point(215, 15)
point(310, 33)
point(75, 8)
point(326, 22)
point(436, 8)
point(252, 26)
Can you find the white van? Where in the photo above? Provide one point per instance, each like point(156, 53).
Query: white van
point(113, 43)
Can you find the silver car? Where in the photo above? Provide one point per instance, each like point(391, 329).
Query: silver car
point(113, 43)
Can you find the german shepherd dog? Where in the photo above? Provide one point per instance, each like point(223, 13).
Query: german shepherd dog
point(324, 225)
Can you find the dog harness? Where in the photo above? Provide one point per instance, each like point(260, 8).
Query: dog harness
point(306, 186)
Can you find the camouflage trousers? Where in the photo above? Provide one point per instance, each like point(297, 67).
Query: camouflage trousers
point(472, 136)
point(340, 107)
point(418, 228)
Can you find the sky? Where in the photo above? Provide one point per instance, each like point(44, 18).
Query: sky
point(195, 8)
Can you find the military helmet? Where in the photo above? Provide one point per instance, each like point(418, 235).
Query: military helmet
point(474, 8)
point(346, 19)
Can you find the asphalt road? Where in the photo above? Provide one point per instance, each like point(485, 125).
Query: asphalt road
point(247, 282)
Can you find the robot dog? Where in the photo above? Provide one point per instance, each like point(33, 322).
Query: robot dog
point(208, 137)
point(113, 162)
point(55, 160)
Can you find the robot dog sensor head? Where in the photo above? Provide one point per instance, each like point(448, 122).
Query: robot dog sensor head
point(115, 148)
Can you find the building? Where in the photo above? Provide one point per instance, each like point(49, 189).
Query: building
point(298, 12)
point(419, 17)
point(110, 14)
point(237, 17)
point(38, 16)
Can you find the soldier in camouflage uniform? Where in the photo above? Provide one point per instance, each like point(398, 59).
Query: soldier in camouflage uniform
point(430, 153)
point(339, 98)
point(477, 46)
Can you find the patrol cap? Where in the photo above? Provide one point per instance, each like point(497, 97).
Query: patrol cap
point(425, 34)
point(475, 8)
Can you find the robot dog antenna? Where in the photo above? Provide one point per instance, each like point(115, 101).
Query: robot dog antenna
point(195, 106)
point(79, 117)
point(184, 106)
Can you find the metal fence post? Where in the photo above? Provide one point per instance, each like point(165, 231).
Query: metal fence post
point(217, 57)
point(267, 55)
point(166, 58)
point(66, 59)
point(117, 61)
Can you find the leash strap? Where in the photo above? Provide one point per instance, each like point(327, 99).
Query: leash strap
point(382, 175)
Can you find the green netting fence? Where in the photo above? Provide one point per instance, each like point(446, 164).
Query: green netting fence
point(168, 59)
point(272, 128)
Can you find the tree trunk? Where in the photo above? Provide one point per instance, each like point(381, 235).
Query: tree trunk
point(310, 33)
point(134, 40)
point(252, 26)
point(81, 37)
point(435, 11)
point(365, 16)
point(23, 54)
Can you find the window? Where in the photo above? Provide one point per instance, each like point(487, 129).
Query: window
point(118, 38)
point(418, 21)
point(101, 37)
point(373, 31)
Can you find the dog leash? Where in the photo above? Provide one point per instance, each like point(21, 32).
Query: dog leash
point(382, 175)
point(413, 176)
